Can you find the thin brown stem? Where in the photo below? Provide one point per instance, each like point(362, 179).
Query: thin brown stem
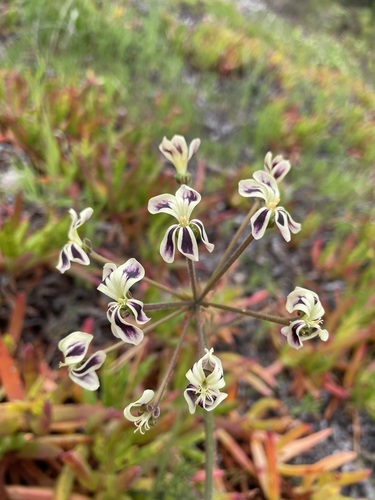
point(172, 362)
point(165, 305)
point(193, 279)
point(235, 238)
point(254, 314)
point(215, 278)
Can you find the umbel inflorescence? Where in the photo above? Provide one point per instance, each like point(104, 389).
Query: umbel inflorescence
point(127, 315)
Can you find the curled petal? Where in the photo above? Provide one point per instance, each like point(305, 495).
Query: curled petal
point(89, 381)
point(295, 227)
point(74, 347)
point(323, 334)
point(187, 244)
point(260, 221)
point(267, 180)
point(307, 301)
point(191, 397)
point(136, 307)
point(121, 329)
point(168, 244)
point(277, 167)
point(165, 203)
point(146, 413)
point(64, 262)
point(187, 199)
point(252, 189)
point(85, 375)
point(282, 223)
point(76, 254)
point(146, 397)
point(210, 361)
point(292, 333)
point(108, 268)
point(71, 252)
point(78, 221)
point(203, 234)
point(94, 362)
point(194, 146)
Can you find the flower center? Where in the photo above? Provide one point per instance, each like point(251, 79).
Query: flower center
point(183, 220)
point(273, 204)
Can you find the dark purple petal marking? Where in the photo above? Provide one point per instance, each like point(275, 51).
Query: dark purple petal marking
point(137, 309)
point(133, 271)
point(186, 242)
point(169, 247)
point(162, 204)
point(65, 262)
point(130, 332)
point(76, 349)
point(166, 150)
point(260, 220)
point(280, 218)
point(95, 360)
point(190, 195)
point(177, 145)
point(253, 189)
point(294, 339)
point(76, 253)
point(88, 380)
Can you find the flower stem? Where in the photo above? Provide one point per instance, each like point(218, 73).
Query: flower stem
point(103, 260)
point(210, 454)
point(193, 279)
point(165, 305)
point(248, 312)
point(172, 362)
point(215, 277)
point(238, 233)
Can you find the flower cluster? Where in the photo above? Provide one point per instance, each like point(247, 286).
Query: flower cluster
point(74, 348)
point(206, 379)
point(116, 284)
point(310, 311)
point(184, 234)
point(73, 251)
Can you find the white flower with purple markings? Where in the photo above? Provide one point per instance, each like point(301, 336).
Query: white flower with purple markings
point(73, 251)
point(310, 312)
point(264, 186)
point(75, 347)
point(184, 234)
point(278, 167)
point(147, 412)
point(178, 152)
point(116, 284)
point(206, 379)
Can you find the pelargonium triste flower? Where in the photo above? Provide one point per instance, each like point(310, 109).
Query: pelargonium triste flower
point(73, 251)
point(278, 167)
point(310, 310)
point(75, 347)
point(206, 379)
point(178, 153)
point(116, 284)
point(147, 413)
point(265, 186)
point(183, 234)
